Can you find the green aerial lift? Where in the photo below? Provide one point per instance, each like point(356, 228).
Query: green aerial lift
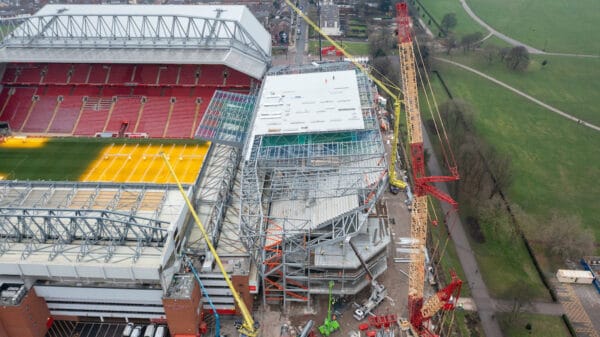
point(329, 325)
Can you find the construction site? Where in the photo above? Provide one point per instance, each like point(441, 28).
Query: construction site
point(294, 205)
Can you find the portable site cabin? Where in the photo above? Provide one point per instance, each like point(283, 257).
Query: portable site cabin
point(574, 276)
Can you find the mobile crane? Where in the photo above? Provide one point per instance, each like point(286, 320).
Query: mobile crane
point(248, 327)
point(419, 311)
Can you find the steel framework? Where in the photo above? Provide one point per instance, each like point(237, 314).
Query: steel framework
point(301, 192)
point(227, 118)
point(129, 30)
point(60, 217)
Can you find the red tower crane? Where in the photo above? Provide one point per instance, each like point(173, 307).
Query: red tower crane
point(419, 310)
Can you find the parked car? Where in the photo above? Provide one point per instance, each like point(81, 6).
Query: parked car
point(127, 330)
point(137, 332)
point(150, 330)
point(160, 331)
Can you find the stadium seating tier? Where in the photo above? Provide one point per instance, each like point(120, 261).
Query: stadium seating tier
point(84, 99)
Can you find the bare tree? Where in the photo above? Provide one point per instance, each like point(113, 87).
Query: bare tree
point(381, 43)
point(448, 22)
point(449, 43)
point(565, 236)
point(469, 41)
point(493, 213)
point(489, 52)
point(517, 59)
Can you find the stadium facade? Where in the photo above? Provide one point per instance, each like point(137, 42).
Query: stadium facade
point(294, 172)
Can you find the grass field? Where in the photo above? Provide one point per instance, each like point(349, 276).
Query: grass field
point(354, 48)
point(504, 265)
point(541, 326)
point(464, 23)
point(557, 26)
point(93, 159)
point(565, 83)
point(554, 160)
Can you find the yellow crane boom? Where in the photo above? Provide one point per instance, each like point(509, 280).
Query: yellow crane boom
point(393, 179)
point(249, 327)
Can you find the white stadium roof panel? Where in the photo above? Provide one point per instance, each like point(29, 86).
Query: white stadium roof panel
point(308, 103)
point(168, 34)
point(231, 13)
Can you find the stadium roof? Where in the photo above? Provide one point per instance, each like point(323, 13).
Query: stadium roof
point(168, 34)
point(85, 230)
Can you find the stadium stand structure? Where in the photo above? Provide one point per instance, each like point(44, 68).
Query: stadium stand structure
point(294, 171)
point(112, 94)
point(106, 249)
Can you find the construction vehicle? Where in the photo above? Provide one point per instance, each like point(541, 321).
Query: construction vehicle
point(378, 290)
point(248, 327)
point(330, 324)
point(419, 310)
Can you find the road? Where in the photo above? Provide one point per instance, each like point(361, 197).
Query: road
point(485, 305)
point(535, 100)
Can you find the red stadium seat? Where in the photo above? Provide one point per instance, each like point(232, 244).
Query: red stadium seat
point(66, 115)
point(143, 97)
point(57, 73)
point(40, 116)
point(125, 109)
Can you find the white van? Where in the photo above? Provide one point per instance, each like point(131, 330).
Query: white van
point(137, 332)
point(127, 330)
point(150, 330)
point(160, 331)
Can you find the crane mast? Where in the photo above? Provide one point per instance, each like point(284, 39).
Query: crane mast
point(419, 310)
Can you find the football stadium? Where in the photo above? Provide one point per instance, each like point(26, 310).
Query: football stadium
point(285, 167)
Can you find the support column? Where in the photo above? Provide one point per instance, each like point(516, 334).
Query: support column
point(23, 314)
point(183, 306)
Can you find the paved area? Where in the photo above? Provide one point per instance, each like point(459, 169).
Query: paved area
point(575, 310)
point(518, 92)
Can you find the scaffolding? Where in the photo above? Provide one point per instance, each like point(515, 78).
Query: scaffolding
point(302, 194)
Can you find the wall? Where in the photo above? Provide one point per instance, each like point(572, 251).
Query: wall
point(28, 319)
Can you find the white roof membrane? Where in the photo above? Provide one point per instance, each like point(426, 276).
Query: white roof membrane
point(308, 103)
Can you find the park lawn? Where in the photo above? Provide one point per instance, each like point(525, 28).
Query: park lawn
point(352, 47)
point(464, 24)
point(61, 159)
point(541, 326)
point(556, 26)
point(555, 161)
point(567, 83)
